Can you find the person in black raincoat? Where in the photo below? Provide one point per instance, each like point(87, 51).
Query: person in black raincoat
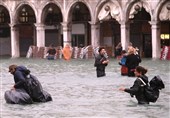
point(101, 61)
point(138, 88)
point(132, 61)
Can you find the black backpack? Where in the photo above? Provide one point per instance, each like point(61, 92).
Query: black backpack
point(151, 90)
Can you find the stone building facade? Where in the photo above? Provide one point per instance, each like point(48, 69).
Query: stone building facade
point(144, 23)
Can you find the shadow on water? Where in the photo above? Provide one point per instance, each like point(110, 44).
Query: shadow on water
point(77, 92)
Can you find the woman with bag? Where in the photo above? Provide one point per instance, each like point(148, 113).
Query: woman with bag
point(138, 88)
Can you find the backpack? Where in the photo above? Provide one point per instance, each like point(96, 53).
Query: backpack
point(35, 90)
point(151, 90)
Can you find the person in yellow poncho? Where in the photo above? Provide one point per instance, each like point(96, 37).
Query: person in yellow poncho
point(67, 52)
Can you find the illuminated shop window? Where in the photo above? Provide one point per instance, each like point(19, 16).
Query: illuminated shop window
point(165, 36)
point(24, 16)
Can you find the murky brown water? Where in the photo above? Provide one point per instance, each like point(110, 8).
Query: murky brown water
point(77, 92)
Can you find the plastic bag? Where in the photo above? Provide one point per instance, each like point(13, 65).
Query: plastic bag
point(35, 90)
point(17, 96)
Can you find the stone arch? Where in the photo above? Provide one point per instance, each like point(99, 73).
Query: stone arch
point(71, 6)
point(162, 8)
point(42, 14)
point(5, 42)
point(19, 7)
point(6, 9)
point(117, 14)
point(133, 6)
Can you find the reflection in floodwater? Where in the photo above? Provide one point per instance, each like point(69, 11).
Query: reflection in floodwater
point(77, 92)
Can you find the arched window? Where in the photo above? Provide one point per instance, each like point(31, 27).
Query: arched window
point(2, 17)
point(24, 16)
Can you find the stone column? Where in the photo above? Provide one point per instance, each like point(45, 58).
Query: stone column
point(15, 51)
point(85, 33)
point(40, 35)
point(66, 33)
point(156, 45)
point(125, 34)
point(95, 31)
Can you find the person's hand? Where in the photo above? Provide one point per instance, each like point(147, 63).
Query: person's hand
point(122, 89)
point(105, 62)
point(13, 88)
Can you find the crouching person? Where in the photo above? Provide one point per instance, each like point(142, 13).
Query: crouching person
point(27, 89)
point(137, 89)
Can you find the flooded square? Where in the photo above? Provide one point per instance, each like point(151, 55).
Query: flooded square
point(77, 92)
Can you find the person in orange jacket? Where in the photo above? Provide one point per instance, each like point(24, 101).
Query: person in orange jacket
point(67, 52)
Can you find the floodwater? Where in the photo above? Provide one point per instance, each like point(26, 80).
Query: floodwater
point(78, 93)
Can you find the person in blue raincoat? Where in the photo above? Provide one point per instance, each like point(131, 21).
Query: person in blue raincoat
point(29, 83)
point(20, 74)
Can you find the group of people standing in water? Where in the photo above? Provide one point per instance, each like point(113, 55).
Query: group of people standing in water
point(66, 51)
point(130, 59)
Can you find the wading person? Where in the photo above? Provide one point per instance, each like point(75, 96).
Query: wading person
point(138, 89)
point(124, 69)
point(51, 53)
point(27, 88)
point(132, 61)
point(101, 61)
point(118, 50)
point(20, 74)
point(67, 52)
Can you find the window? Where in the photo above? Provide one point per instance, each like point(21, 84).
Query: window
point(24, 16)
point(2, 17)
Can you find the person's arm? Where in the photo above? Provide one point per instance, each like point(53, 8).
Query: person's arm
point(21, 79)
point(134, 89)
point(97, 61)
point(139, 58)
point(105, 62)
point(55, 51)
